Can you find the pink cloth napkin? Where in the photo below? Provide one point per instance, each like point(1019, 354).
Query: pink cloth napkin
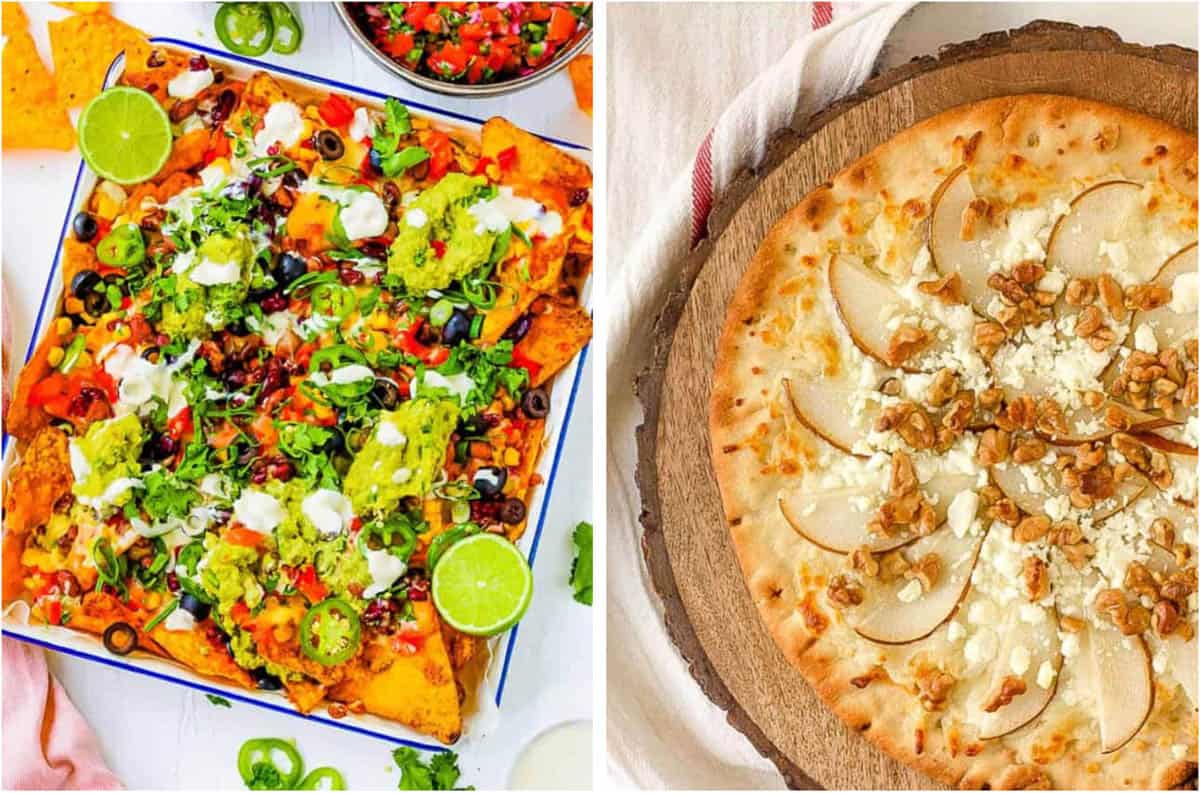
point(47, 744)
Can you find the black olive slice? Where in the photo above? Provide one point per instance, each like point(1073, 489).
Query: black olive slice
point(120, 638)
point(536, 403)
point(85, 282)
point(329, 145)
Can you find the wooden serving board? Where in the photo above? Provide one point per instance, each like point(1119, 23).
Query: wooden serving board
point(686, 543)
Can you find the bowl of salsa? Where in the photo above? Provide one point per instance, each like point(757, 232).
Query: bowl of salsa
point(470, 49)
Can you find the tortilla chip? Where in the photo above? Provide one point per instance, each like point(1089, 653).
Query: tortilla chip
point(13, 19)
point(84, 8)
point(84, 46)
point(418, 690)
point(37, 483)
point(554, 338)
point(580, 70)
point(538, 162)
point(34, 118)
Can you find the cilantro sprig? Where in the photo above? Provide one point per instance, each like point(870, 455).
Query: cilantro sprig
point(581, 566)
point(394, 160)
point(440, 773)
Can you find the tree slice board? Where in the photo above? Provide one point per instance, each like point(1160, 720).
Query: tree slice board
point(686, 542)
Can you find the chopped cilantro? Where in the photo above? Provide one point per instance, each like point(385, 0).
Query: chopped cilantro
point(166, 495)
point(220, 702)
point(440, 773)
point(581, 566)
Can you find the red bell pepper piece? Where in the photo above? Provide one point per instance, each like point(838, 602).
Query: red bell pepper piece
point(336, 111)
point(507, 158)
point(521, 361)
point(309, 586)
point(237, 535)
point(482, 166)
point(180, 425)
point(53, 610)
point(439, 248)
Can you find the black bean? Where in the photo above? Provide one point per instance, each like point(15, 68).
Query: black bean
point(512, 511)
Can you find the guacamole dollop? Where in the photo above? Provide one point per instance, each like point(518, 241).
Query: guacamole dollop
point(299, 543)
point(403, 455)
point(105, 458)
point(230, 575)
point(198, 308)
point(440, 213)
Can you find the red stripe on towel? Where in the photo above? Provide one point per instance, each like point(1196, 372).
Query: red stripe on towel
point(702, 189)
point(822, 14)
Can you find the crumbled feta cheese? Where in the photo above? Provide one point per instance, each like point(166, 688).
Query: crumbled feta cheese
point(910, 592)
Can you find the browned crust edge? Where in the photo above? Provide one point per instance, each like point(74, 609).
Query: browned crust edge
point(1038, 36)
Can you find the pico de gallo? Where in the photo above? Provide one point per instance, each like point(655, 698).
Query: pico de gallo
point(289, 372)
point(472, 43)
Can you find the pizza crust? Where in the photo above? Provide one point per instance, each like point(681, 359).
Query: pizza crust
point(779, 324)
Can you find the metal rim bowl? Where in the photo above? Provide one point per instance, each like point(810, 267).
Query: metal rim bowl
point(456, 89)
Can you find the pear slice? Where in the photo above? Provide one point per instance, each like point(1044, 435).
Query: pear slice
point(1167, 439)
point(1108, 211)
point(1030, 491)
point(836, 520)
point(887, 619)
point(827, 409)
point(864, 300)
point(947, 248)
point(1123, 683)
point(1182, 660)
point(1037, 644)
point(1171, 328)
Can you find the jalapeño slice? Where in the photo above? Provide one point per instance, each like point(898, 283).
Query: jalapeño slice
point(330, 632)
point(256, 764)
point(245, 28)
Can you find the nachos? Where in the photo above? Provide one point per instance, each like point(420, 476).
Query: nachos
point(287, 373)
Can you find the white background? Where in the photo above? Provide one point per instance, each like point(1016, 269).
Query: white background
point(155, 734)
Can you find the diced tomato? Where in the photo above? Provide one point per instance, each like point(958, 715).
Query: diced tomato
point(441, 152)
point(47, 389)
point(275, 398)
point(399, 45)
point(482, 166)
point(522, 361)
point(472, 30)
point(240, 613)
point(507, 158)
point(562, 24)
point(305, 353)
point(538, 12)
point(180, 425)
point(432, 24)
point(449, 60)
point(238, 535)
point(408, 642)
point(491, 13)
point(226, 434)
point(309, 586)
point(105, 382)
point(102, 228)
point(263, 428)
point(437, 356)
point(53, 610)
point(336, 111)
point(416, 12)
point(439, 248)
point(475, 71)
point(499, 57)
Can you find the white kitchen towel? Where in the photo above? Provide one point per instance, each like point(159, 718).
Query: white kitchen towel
point(662, 731)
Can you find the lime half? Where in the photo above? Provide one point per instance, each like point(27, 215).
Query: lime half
point(482, 585)
point(125, 135)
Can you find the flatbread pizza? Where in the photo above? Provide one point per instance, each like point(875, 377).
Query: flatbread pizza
point(954, 426)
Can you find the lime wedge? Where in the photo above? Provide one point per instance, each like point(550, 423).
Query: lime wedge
point(482, 585)
point(125, 135)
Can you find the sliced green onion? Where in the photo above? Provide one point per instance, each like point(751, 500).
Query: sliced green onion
point(160, 616)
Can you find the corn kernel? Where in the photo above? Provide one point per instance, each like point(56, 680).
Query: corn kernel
point(152, 600)
point(380, 321)
point(55, 357)
point(122, 333)
point(63, 325)
point(511, 457)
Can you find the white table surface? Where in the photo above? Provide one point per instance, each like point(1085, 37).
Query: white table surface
point(158, 735)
